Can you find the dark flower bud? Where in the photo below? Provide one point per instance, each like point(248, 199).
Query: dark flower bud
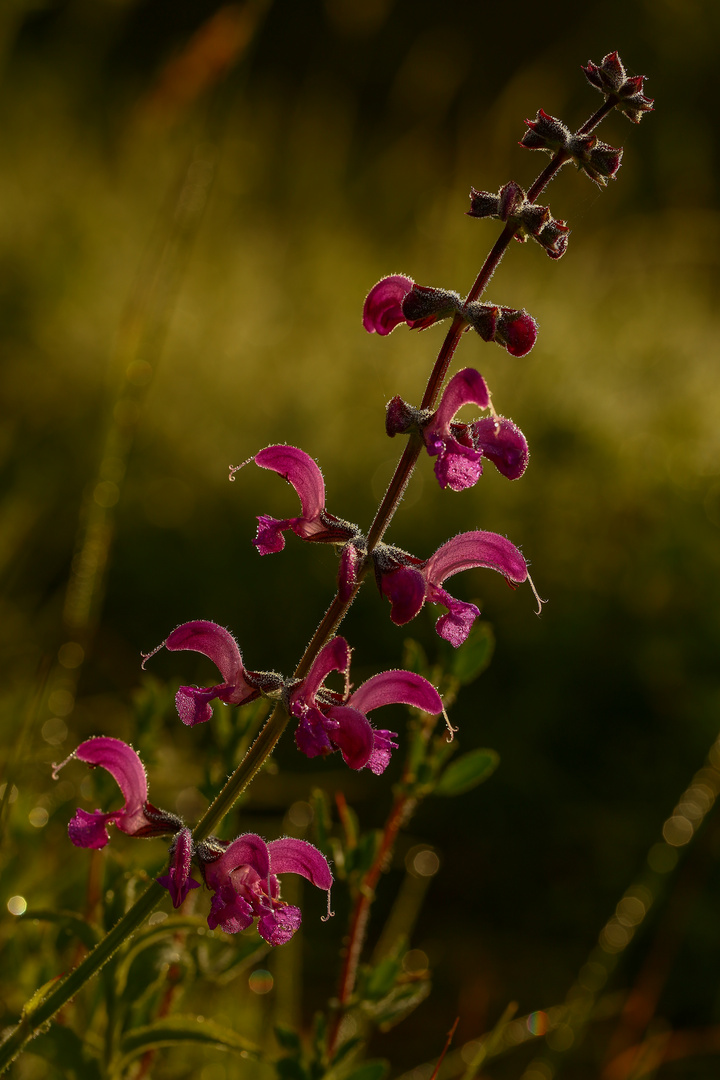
point(596, 159)
point(534, 217)
point(545, 133)
point(424, 305)
point(483, 318)
point(516, 330)
point(610, 79)
point(513, 329)
point(510, 201)
point(483, 204)
point(554, 239)
point(401, 418)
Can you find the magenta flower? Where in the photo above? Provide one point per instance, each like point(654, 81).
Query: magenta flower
point(330, 721)
point(408, 582)
point(397, 299)
point(315, 523)
point(239, 686)
point(137, 817)
point(460, 448)
point(244, 880)
point(178, 881)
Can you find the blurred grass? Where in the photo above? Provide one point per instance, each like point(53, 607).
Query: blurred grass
point(335, 164)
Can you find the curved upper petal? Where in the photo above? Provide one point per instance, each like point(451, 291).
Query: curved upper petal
point(352, 735)
point(396, 687)
point(476, 548)
point(405, 589)
point(124, 765)
point(213, 641)
point(382, 310)
point(335, 656)
point(299, 469)
point(247, 850)
point(291, 856)
point(466, 387)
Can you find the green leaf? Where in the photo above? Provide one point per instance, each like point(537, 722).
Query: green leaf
point(382, 978)
point(287, 1038)
point(466, 772)
point(154, 935)
point(289, 1068)
point(178, 1030)
point(346, 1048)
point(471, 659)
point(369, 1070)
point(400, 1003)
point(87, 932)
point(67, 1051)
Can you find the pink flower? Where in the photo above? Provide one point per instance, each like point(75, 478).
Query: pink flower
point(459, 448)
point(239, 686)
point(330, 721)
point(408, 582)
point(314, 523)
point(397, 299)
point(137, 817)
point(510, 327)
point(177, 880)
point(244, 880)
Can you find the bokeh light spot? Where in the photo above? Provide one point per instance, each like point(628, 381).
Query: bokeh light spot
point(678, 830)
point(54, 731)
point(38, 817)
point(17, 905)
point(71, 655)
point(537, 1023)
point(300, 814)
point(422, 861)
point(415, 960)
point(261, 981)
point(61, 702)
point(106, 494)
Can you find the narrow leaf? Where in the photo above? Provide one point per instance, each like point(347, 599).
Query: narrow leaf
point(467, 771)
point(471, 659)
point(178, 1030)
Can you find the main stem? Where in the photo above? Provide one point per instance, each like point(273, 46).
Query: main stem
point(276, 723)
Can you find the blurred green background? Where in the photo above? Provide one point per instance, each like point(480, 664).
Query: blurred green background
point(196, 198)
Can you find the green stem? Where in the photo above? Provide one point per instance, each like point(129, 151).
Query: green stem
point(33, 1019)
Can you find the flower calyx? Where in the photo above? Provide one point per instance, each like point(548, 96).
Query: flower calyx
point(512, 328)
point(611, 79)
point(598, 160)
point(529, 219)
